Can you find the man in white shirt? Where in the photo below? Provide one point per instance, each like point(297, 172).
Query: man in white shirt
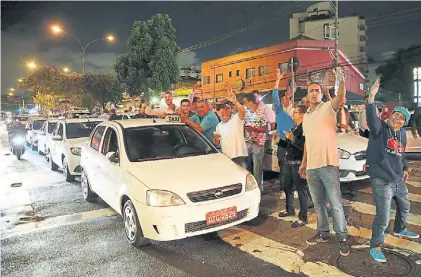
point(230, 131)
point(163, 112)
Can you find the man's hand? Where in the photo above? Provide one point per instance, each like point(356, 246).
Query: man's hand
point(405, 176)
point(279, 74)
point(216, 138)
point(289, 135)
point(375, 88)
point(231, 96)
point(302, 171)
point(183, 116)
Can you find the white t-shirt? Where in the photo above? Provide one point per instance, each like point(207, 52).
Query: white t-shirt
point(233, 143)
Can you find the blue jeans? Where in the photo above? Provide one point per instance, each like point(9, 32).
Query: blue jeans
point(255, 162)
point(325, 187)
point(383, 192)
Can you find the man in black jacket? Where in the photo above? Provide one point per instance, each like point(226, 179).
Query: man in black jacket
point(294, 156)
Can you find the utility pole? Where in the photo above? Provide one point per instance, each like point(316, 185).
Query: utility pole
point(336, 33)
point(293, 82)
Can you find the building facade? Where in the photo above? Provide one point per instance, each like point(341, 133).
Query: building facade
point(310, 60)
point(318, 22)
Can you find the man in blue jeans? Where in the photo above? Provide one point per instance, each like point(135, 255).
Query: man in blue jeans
point(386, 166)
point(320, 164)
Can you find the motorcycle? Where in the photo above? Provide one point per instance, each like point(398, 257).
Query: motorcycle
point(17, 142)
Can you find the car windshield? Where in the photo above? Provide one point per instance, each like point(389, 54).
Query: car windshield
point(37, 124)
point(51, 126)
point(165, 142)
point(80, 129)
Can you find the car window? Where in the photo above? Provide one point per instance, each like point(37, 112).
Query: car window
point(164, 142)
point(43, 126)
point(60, 130)
point(110, 142)
point(96, 137)
point(36, 125)
point(51, 126)
point(80, 129)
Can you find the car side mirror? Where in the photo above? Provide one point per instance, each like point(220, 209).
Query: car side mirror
point(112, 157)
point(57, 138)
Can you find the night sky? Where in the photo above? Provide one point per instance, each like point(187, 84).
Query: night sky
point(25, 30)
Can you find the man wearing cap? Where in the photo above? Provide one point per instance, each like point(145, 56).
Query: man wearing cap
point(386, 166)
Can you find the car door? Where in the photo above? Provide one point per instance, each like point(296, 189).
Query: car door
point(111, 171)
point(91, 159)
point(42, 134)
point(56, 146)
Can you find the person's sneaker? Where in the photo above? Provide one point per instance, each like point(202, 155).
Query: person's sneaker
point(317, 238)
point(310, 204)
point(285, 214)
point(298, 223)
point(407, 234)
point(282, 195)
point(344, 248)
point(295, 194)
point(378, 257)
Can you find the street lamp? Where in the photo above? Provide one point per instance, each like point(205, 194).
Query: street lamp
point(57, 29)
point(31, 65)
point(66, 69)
point(20, 80)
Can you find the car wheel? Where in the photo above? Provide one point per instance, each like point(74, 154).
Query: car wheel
point(40, 152)
point(132, 227)
point(87, 193)
point(53, 165)
point(33, 147)
point(66, 172)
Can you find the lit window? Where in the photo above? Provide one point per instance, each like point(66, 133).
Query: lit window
point(417, 73)
point(263, 70)
point(250, 73)
point(219, 78)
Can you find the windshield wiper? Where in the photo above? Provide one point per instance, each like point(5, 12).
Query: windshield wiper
point(156, 158)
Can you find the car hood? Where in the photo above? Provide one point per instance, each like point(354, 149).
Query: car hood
point(78, 142)
point(184, 175)
point(351, 143)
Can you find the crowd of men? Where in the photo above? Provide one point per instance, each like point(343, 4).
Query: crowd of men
point(307, 151)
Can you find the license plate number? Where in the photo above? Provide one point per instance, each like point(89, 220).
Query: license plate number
point(221, 215)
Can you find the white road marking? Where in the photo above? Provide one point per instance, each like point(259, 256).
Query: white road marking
point(411, 196)
point(286, 257)
point(58, 221)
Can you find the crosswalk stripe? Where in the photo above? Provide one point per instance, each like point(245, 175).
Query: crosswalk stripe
point(414, 184)
point(364, 208)
point(411, 196)
point(286, 257)
point(361, 232)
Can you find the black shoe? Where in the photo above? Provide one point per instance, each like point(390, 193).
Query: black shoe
point(317, 238)
point(310, 204)
point(285, 214)
point(344, 248)
point(298, 223)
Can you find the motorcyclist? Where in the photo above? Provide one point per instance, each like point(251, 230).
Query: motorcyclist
point(16, 128)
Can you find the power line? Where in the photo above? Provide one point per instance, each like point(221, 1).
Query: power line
point(255, 24)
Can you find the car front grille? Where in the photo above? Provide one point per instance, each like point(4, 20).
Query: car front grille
point(360, 156)
point(201, 225)
point(217, 193)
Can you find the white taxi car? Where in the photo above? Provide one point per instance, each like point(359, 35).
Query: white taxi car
point(44, 135)
point(65, 144)
point(33, 127)
point(166, 180)
point(351, 152)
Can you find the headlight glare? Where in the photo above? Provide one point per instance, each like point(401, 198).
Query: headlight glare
point(162, 198)
point(18, 140)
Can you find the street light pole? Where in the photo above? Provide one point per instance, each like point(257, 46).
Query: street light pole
point(336, 33)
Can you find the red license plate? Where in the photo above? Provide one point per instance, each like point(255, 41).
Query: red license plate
point(221, 215)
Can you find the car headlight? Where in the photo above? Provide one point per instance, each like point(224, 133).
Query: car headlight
point(76, 150)
point(251, 183)
point(18, 140)
point(342, 154)
point(162, 198)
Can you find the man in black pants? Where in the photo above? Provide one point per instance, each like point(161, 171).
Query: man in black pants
point(295, 151)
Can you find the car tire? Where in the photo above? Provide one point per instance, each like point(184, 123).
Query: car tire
point(69, 177)
point(87, 193)
point(132, 227)
point(33, 147)
point(53, 165)
point(40, 152)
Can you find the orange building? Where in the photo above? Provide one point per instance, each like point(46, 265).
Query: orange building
point(312, 60)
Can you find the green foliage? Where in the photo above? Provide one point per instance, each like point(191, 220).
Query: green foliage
point(150, 62)
point(100, 88)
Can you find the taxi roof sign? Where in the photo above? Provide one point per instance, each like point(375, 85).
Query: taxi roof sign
point(172, 118)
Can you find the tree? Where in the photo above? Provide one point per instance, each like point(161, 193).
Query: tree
point(46, 101)
point(397, 75)
point(150, 62)
point(100, 89)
